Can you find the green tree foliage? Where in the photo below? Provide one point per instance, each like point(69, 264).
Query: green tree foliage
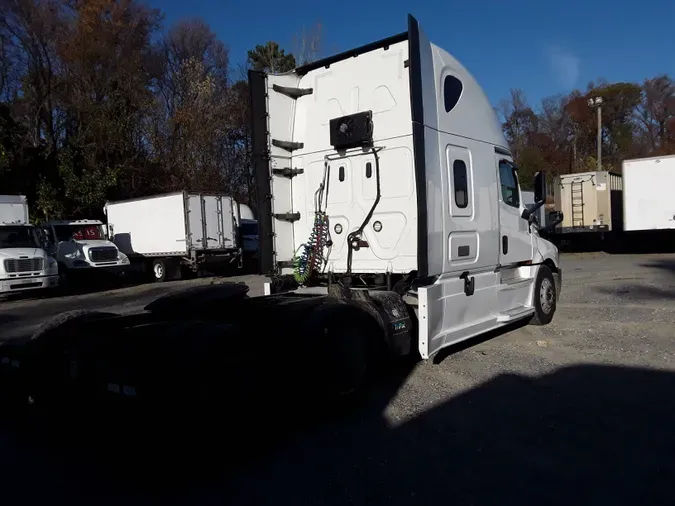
point(271, 58)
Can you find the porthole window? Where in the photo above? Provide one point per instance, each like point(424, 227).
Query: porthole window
point(452, 90)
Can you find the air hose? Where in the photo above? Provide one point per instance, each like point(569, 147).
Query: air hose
point(312, 257)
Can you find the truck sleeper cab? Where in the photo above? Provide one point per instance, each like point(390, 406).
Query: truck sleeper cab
point(387, 162)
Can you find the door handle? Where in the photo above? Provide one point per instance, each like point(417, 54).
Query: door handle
point(505, 244)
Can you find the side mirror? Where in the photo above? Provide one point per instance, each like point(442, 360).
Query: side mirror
point(540, 187)
point(555, 216)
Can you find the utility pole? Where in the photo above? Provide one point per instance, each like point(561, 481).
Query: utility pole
point(597, 103)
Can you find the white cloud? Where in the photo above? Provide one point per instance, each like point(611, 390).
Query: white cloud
point(564, 65)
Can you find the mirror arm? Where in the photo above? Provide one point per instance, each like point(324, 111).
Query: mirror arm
point(537, 206)
point(550, 226)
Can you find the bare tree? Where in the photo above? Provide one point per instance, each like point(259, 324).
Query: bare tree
point(307, 45)
point(655, 111)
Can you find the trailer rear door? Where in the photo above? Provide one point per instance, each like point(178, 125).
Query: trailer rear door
point(195, 223)
point(219, 222)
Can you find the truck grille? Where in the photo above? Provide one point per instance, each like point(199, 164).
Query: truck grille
point(14, 265)
point(103, 254)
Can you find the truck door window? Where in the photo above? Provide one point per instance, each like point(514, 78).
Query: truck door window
point(460, 184)
point(509, 184)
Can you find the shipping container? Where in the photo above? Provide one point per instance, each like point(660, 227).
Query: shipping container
point(590, 201)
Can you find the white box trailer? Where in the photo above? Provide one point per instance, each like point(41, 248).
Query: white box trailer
point(174, 230)
point(648, 203)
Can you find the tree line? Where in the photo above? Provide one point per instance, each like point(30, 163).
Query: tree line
point(560, 135)
point(100, 101)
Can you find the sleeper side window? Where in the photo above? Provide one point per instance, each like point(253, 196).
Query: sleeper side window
point(452, 91)
point(460, 183)
point(509, 184)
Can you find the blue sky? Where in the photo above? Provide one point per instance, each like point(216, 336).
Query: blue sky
point(544, 47)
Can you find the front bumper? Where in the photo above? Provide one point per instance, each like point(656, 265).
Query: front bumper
point(103, 268)
point(24, 283)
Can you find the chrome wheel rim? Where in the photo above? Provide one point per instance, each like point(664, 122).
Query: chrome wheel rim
point(546, 296)
point(158, 271)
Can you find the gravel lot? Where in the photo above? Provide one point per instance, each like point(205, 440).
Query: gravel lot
point(578, 412)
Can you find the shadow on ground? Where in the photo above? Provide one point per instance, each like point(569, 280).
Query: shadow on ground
point(664, 290)
point(631, 243)
point(580, 435)
point(7, 318)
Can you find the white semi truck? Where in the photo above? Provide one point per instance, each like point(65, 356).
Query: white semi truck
point(172, 234)
point(391, 222)
point(24, 264)
point(82, 249)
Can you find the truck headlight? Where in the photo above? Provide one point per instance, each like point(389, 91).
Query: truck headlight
point(52, 264)
point(124, 260)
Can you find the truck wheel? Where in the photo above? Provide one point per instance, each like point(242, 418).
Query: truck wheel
point(165, 269)
point(159, 270)
point(346, 358)
point(544, 297)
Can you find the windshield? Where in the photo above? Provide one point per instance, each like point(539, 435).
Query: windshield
point(249, 228)
point(19, 237)
point(79, 232)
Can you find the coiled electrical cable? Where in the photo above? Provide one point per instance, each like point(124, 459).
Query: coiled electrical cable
point(311, 258)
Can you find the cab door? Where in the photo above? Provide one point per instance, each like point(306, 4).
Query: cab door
point(515, 244)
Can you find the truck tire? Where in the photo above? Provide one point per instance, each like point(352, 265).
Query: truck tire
point(51, 357)
point(165, 269)
point(544, 296)
point(159, 270)
point(347, 340)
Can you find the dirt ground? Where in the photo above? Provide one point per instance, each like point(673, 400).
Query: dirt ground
point(579, 411)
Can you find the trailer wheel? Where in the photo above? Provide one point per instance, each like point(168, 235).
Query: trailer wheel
point(165, 269)
point(159, 270)
point(544, 297)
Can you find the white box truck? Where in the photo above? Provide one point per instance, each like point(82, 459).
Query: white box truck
point(391, 220)
point(24, 264)
point(173, 232)
point(648, 203)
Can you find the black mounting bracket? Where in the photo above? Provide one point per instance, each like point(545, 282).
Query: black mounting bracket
point(288, 217)
point(287, 172)
point(294, 93)
point(288, 145)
